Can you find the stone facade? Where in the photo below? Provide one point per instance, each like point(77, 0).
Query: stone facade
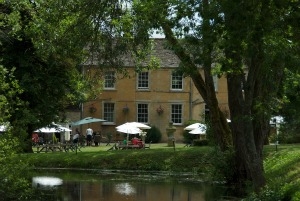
point(159, 95)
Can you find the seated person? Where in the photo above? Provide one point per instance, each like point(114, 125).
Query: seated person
point(125, 142)
point(41, 140)
point(135, 140)
point(35, 138)
point(76, 138)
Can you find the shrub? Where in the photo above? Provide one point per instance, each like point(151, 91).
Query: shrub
point(222, 165)
point(267, 195)
point(15, 183)
point(153, 135)
point(188, 138)
point(200, 142)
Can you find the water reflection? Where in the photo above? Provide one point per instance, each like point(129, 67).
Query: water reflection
point(125, 189)
point(120, 187)
point(46, 181)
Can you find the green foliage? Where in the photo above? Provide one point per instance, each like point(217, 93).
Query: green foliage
point(287, 135)
point(47, 83)
point(268, 194)
point(200, 142)
point(153, 135)
point(222, 165)
point(9, 92)
point(15, 183)
point(158, 158)
point(283, 175)
point(188, 138)
point(291, 105)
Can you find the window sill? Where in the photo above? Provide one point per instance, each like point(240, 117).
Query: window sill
point(108, 123)
point(143, 89)
point(176, 90)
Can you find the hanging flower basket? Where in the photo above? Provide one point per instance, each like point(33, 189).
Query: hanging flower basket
point(159, 110)
point(92, 109)
point(125, 109)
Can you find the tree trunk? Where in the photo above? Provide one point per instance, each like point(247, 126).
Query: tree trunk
point(248, 160)
point(249, 163)
point(27, 148)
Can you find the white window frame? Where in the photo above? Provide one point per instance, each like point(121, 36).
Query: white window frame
point(172, 113)
point(111, 112)
point(141, 80)
point(175, 78)
point(109, 80)
point(146, 113)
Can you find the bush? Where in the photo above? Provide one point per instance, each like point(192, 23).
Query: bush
point(200, 142)
point(153, 135)
point(188, 138)
point(268, 194)
point(222, 165)
point(15, 183)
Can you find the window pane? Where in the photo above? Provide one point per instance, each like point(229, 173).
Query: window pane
point(109, 109)
point(109, 80)
point(143, 81)
point(177, 80)
point(142, 113)
point(176, 113)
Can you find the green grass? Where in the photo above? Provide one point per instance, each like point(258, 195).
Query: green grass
point(159, 157)
point(282, 167)
point(282, 171)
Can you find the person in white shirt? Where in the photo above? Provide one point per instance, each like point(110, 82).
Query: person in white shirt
point(89, 135)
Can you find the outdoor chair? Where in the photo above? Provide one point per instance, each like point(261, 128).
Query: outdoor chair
point(189, 143)
point(114, 147)
point(148, 146)
point(75, 146)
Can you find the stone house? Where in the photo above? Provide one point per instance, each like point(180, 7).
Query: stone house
point(154, 97)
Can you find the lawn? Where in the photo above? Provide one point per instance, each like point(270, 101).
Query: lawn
point(281, 164)
point(159, 157)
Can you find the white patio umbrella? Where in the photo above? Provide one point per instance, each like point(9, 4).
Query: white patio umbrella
point(139, 125)
point(200, 130)
point(46, 130)
point(60, 128)
point(53, 128)
point(276, 120)
point(193, 126)
point(128, 128)
point(64, 129)
point(2, 128)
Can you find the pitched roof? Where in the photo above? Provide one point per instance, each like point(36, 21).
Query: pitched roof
point(165, 56)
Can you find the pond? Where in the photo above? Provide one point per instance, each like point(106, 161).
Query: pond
point(125, 186)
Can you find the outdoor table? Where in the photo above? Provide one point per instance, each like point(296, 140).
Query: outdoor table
point(129, 146)
point(49, 147)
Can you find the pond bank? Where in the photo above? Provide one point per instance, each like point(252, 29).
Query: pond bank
point(154, 159)
point(281, 167)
